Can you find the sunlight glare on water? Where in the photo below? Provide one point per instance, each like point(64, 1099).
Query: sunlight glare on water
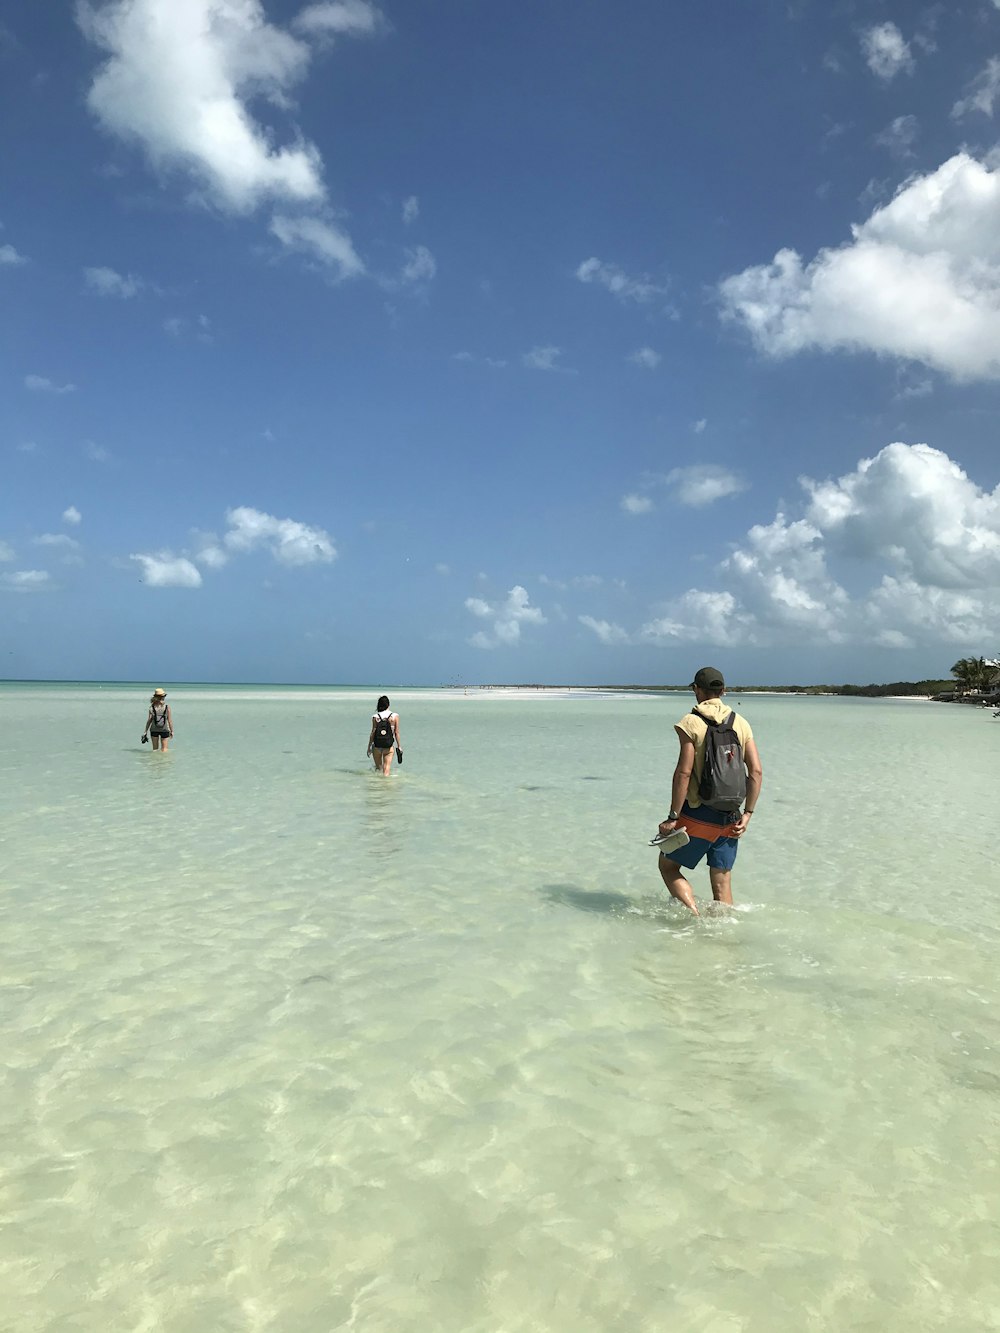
point(293, 1047)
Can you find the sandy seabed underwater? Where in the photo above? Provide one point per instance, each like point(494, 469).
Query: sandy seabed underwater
point(292, 1047)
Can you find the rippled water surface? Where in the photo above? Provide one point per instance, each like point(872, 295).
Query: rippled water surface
point(292, 1047)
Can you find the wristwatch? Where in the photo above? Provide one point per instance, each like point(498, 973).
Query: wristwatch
point(673, 815)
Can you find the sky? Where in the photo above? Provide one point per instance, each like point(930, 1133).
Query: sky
point(445, 342)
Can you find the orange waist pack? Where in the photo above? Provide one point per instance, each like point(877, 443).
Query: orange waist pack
point(697, 828)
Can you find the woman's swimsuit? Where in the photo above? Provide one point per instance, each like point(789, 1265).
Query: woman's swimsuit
point(159, 726)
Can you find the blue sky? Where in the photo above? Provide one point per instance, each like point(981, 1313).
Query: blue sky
point(448, 341)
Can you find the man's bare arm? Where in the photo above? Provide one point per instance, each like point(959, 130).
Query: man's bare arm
point(682, 776)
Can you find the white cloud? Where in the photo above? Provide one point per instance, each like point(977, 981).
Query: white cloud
point(885, 51)
point(983, 90)
point(706, 617)
point(507, 616)
point(411, 210)
point(106, 282)
point(420, 266)
point(6, 552)
point(926, 536)
point(618, 283)
point(914, 508)
point(25, 580)
point(543, 358)
point(320, 240)
point(646, 357)
point(442, 568)
point(355, 18)
point(212, 555)
point(636, 504)
point(702, 484)
point(97, 453)
point(72, 515)
point(8, 255)
point(165, 570)
point(899, 136)
point(40, 384)
point(605, 630)
point(179, 78)
point(57, 539)
point(290, 542)
point(920, 280)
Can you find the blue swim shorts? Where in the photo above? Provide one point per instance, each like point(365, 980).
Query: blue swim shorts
point(721, 853)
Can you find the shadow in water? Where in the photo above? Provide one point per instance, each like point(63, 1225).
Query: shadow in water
point(588, 778)
point(587, 900)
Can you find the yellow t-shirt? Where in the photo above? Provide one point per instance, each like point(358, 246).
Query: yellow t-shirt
point(696, 729)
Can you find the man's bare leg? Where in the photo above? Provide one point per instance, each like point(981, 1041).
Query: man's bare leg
point(679, 888)
point(722, 885)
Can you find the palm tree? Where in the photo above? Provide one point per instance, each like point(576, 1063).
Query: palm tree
point(972, 673)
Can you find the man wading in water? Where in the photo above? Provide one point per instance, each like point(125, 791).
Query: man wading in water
point(707, 804)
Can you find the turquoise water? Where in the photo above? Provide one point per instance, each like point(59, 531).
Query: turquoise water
point(293, 1047)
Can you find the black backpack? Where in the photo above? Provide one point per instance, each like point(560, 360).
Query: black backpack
point(383, 738)
point(723, 783)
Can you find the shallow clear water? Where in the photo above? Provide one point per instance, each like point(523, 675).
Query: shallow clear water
point(293, 1047)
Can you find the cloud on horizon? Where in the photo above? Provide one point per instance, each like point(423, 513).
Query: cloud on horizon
point(507, 617)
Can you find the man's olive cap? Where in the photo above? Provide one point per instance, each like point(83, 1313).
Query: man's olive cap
point(708, 678)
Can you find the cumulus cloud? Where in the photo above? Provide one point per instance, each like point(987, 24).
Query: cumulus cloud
point(507, 617)
point(6, 552)
point(615, 280)
point(702, 484)
point(165, 570)
point(606, 630)
point(920, 281)
point(8, 255)
point(636, 504)
point(289, 541)
point(107, 282)
point(72, 515)
point(924, 535)
point(319, 240)
point(645, 357)
point(411, 210)
point(41, 384)
point(885, 51)
point(914, 508)
point(25, 580)
point(178, 79)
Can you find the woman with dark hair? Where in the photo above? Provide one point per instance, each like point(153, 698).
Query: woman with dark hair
point(384, 736)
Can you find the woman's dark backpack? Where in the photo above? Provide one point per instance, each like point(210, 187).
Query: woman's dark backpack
point(723, 783)
point(383, 739)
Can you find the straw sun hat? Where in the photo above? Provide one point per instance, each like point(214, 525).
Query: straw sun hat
point(160, 690)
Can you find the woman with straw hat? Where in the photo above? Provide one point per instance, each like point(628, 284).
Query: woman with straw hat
point(159, 722)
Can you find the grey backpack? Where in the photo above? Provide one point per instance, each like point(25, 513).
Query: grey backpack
point(723, 783)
